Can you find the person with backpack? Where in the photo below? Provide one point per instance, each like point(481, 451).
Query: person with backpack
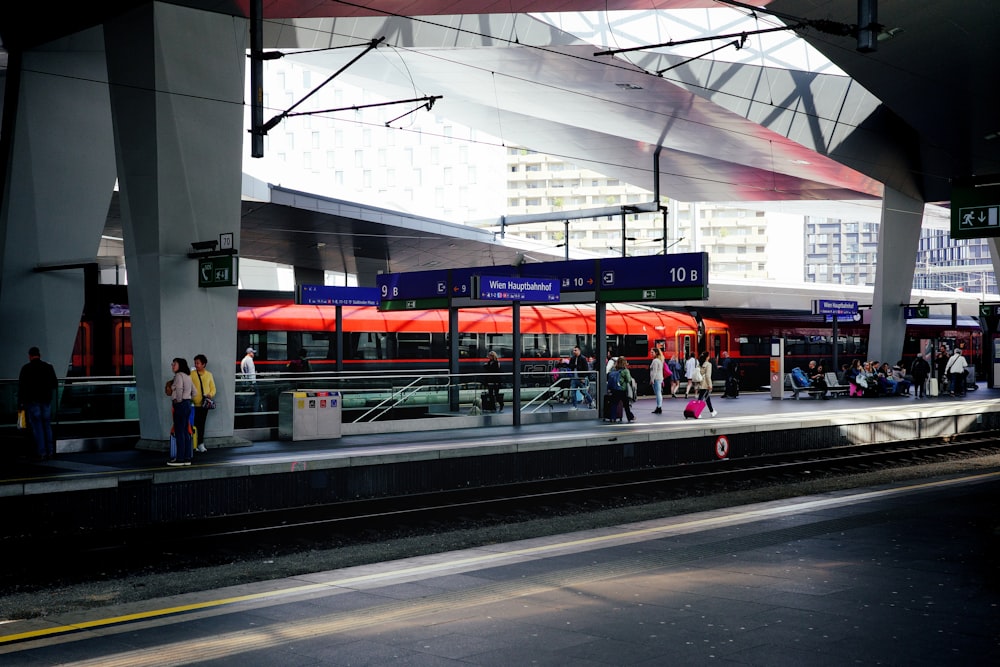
point(619, 380)
point(919, 370)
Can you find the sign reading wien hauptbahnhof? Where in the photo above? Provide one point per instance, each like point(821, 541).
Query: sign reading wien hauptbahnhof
point(677, 277)
point(975, 208)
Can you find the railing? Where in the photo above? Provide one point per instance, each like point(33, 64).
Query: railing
point(111, 404)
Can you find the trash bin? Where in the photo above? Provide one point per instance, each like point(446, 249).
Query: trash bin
point(309, 415)
point(131, 410)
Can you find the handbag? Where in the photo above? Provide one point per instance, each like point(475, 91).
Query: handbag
point(206, 402)
point(22, 420)
point(696, 376)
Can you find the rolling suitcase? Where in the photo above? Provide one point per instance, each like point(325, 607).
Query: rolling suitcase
point(612, 409)
point(489, 405)
point(932, 387)
point(693, 409)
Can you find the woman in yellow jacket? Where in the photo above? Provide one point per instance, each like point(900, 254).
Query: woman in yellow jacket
point(204, 387)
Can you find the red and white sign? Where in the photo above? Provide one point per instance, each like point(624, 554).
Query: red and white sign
point(722, 447)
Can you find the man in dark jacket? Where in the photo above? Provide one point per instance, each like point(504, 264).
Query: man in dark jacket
point(579, 369)
point(35, 386)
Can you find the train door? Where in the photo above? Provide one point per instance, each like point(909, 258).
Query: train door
point(718, 342)
point(121, 352)
point(82, 359)
point(687, 341)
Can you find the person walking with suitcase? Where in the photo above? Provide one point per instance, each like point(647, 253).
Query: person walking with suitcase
point(619, 380)
point(705, 388)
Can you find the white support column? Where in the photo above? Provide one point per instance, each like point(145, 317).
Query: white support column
point(61, 175)
point(898, 240)
point(177, 86)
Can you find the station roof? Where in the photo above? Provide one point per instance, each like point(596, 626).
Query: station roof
point(914, 114)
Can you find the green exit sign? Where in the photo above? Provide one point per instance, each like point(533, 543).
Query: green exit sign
point(218, 271)
point(975, 208)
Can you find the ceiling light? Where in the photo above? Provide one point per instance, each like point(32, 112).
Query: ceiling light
point(628, 86)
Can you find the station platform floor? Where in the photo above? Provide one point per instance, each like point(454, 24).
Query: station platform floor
point(749, 413)
point(898, 574)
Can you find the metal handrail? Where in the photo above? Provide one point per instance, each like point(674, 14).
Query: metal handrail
point(378, 407)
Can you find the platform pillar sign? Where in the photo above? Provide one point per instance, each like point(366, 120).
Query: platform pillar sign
point(777, 368)
point(218, 271)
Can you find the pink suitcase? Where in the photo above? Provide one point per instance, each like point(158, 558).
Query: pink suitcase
point(694, 409)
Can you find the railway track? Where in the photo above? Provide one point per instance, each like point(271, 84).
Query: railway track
point(232, 540)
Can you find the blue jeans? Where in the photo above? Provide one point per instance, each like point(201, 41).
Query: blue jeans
point(658, 392)
point(40, 422)
point(182, 417)
point(578, 384)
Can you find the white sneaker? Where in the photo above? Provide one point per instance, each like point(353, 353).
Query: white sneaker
point(714, 413)
point(202, 448)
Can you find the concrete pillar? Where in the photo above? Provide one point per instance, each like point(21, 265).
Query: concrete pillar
point(177, 86)
point(898, 240)
point(60, 175)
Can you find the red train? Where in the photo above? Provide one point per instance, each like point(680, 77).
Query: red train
point(414, 341)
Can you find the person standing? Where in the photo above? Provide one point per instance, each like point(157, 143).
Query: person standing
point(35, 386)
point(579, 370)
point(181, 391)
point(620, 392)
point(689, 366)
point(492, 368)
point(705, 388)
point(204, 395)
point(656, 378)
point(919, 370)
point(247, 367)
point(956, 372)
point(248, 372)
point(675, 375)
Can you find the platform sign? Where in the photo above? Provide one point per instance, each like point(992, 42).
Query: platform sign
point(579, 275)
point(917, 312)
point(837, 307)
point(681, 277)
point(218, 271)
point(462, 280)
point(327, 295)
point(507, 288)
point(975, 208)
point(417, 290)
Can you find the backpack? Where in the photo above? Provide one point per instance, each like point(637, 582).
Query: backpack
point(801, 378)
point(615, 380)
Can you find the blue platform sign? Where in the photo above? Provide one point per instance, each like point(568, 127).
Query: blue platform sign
point(577, 275)
point(688, 269)
point(462, 279)
point(413, 285)
point(507, 288)
point(326, 295)
point(418, 290)
point(837, 307)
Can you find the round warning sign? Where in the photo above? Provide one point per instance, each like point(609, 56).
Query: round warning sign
point(722, 447)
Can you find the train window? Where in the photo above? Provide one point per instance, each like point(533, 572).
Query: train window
point(502, 344)
point(468, 346)
point(411, 345)
point(614, 344)
point(636, 346)
point(566, 343)
point(319, 345)
point(535, 345)
point(275, 347)
point(368, 345)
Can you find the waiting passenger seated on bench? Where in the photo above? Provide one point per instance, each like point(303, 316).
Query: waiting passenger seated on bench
point(817, 378)
point(800, 382)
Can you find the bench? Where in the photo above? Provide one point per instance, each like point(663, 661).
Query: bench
point(796, 389)
point(834, 387)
